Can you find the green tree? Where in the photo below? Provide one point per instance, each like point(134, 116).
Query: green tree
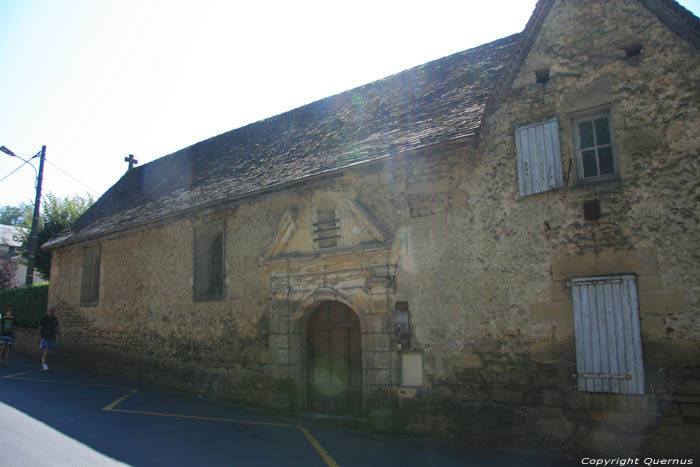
point(16, 215)
point(57, 214)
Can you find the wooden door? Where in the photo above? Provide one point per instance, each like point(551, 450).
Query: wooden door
point(335, 360)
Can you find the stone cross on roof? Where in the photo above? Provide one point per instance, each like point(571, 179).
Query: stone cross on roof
point(132, 162)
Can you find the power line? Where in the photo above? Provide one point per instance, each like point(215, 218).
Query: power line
point(89, 188)
point(47, 160)
point(24, 154)
point(86, 186)
point(18, 167)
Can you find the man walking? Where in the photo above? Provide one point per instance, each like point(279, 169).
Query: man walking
point(7, 335)
point(48, 332)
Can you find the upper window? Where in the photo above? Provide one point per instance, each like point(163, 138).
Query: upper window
point(209, 261)
point(90, 281)
point(595, 153)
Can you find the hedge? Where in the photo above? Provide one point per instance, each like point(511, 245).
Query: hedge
point(28, 304)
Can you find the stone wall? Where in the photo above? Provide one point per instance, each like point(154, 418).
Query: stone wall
point(514, 351)
point(484, 270)
point(26, 342)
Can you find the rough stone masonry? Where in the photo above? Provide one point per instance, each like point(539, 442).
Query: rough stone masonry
point(432, 219)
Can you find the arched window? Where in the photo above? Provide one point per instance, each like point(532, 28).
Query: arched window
point(209, 261)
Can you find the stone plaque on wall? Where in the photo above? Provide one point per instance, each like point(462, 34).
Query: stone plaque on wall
point(412, 368)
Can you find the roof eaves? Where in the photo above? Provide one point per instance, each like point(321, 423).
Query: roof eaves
point(67, 238)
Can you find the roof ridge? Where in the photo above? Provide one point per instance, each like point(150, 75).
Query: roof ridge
point(487, 45)
point(682, 21)
point(527, 38)
point(431, 103)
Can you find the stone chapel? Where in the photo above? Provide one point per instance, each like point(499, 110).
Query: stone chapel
point(501, 246)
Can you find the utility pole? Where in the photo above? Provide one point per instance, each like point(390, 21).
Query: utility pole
point(35, 220)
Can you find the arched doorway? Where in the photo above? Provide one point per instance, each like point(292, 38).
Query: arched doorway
point(335, 360)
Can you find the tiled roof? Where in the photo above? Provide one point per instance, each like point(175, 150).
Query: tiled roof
point(433, 103)
point(436, 102)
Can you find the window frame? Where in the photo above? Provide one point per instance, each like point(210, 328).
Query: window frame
point(203, 274)
point(586, 116)
point(90, 276)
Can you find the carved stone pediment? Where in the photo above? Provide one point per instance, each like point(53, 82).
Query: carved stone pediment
point(356, 229)
point(359, 265)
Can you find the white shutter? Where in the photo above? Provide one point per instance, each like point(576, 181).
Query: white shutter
point(539, 157)
point(608, 335)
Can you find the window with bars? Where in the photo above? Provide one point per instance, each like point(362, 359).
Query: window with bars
point(90, 281)
point(327, 229)
point(209, 261)
point(608, 334)
point(595, 152)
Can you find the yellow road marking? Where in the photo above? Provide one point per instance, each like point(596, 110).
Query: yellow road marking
point(197, 417)
point(314, 442)
point(316, 445)
point(23, 373)
point(111, 408)
point(58, 381)
point(113, 404)
point(322, 452)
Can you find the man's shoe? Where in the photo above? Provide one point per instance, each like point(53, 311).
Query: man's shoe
point(45, 366)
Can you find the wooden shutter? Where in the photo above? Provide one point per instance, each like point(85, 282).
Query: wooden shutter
point(608, 335)
point(539, 157)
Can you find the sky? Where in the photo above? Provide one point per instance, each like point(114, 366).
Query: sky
point(97, 80)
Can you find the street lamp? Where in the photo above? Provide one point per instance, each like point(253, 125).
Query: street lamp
point(35, 220)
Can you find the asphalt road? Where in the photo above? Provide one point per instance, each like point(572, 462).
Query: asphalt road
point(63, 417)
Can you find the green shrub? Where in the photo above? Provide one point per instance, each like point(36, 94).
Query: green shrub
point(28, 304)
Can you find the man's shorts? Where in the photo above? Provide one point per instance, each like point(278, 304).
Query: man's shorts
point(6, 342)
point(47, 344)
